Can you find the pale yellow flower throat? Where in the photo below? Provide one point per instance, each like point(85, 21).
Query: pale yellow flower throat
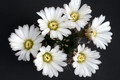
point(94, 33)
point(90, 32)
point(53, 25)
point(74, 16)
point(28, 44)
point(81, 58)
point(47, 57)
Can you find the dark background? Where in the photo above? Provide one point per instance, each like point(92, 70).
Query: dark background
point(20, 12)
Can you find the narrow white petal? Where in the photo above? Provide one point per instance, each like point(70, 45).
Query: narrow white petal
point(50, 74)
point(53, 34)
point(60, 63)
point(42, 24)
point(59, 35)
point(45, 31)
point(76, 71)
point(48, 48)
point(85, 9)
point(58, 13)
point(47, 13)
point(28, 56)
point(42, 15)
point(64, 30)
point(57, 67)
point(25, 30)
point(22, 56)
point(55, 72)
point(45, 69)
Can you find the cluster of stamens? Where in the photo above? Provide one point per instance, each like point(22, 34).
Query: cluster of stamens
point(74, 16)
point(28, 44)
point(81, 58)
point(53, 25)
point(47, 57)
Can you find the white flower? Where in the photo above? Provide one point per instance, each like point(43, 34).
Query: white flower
point(53, 22)
point(85, 61)
point(26, 40)
point(77, 18)
point(99, 32)
point(50, 60)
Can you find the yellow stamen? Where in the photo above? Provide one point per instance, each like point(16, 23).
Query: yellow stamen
point(74, 16)
point(47, 57)
point(28, 44)
point(94, 33)
point(81, 58)
point(53, 25)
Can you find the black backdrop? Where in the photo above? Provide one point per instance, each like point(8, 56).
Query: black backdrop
point(20, 12)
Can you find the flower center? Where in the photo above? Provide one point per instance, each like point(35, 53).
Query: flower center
point(53, 25)
point(47, 57)
point(94, 33)
point(28, 44)
point(81, 58)
point(74, 16)
point(90, 32)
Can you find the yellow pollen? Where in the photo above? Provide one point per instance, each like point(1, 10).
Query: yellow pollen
point(94, 33)
point(74, 16)
point(81, 58)
point(47, 57)
point(53, 25)
point(28, 44)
